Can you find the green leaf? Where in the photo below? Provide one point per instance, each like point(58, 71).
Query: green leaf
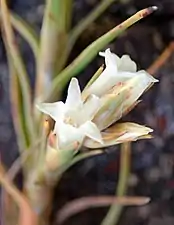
point(16, 107)
point(84, 23)
point(80, 28)
point(53, 41)
point(27, 32)
point(120, 133)
point(14, 53)
point(90, 52)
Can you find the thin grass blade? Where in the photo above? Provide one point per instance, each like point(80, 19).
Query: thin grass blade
point(27, 32)
point(13, 50)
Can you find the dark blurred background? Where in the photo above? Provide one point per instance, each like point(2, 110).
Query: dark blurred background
point(152, 161)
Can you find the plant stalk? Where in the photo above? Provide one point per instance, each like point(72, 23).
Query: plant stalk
point(114, 212)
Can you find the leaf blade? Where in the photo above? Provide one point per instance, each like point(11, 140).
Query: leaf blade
point(53, 41)
point(26, 31)
point(12, 49)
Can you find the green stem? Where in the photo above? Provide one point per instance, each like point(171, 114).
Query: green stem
point(114, 212)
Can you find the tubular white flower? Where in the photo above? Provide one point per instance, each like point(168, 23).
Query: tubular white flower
point(117, 70)
point(73, 118)
point(121, 98)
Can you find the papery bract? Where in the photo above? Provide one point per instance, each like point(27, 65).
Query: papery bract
point(121, 98)
point(120, 133)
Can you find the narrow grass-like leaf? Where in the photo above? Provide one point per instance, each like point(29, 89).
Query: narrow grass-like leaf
point(19, 67)
point(84, 23)
point(91, 51)
point(27, 32)
point(16, 107)
point(16, 103)
point(53, 42)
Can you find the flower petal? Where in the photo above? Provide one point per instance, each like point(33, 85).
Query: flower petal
point(135, 87)
point(119, 133)
point(111, 59)
point(74, 94)
point(127, 64)
point(55, 110)
point(87, 112)
point(90, 107)
point(117, 70)
point(110, 111)
point(121, 99)
point(104, 82)
point(90, 130)
point(67, 134)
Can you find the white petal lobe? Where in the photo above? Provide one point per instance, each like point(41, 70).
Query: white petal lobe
point(74, 94)
point(90, 130)
point(54, 110)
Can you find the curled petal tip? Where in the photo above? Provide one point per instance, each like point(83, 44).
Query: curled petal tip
point(106, 51)
point(101, 54)
point(150, 130)
point(154, 8)
point(151, 9)
point(154, 80)
point(147, 200)
point(38, 105)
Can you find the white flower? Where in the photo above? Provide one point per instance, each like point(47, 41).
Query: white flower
point(122, 99)
point(117, 70)
point(73, 118)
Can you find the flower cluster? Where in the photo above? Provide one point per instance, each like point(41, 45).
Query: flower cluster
point(86, 117)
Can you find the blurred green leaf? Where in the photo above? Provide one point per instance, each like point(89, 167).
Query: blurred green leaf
point(53, 41)
point(90, 52)
point(14, 53)
point(16, 107)
point(27, 32)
